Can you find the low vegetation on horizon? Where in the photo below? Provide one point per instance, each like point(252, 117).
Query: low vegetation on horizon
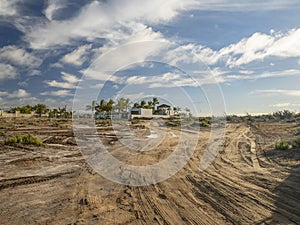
point(40, 109)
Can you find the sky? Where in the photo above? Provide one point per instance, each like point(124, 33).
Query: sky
point(213, 57)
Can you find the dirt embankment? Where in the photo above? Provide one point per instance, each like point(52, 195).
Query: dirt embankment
point(248, 183)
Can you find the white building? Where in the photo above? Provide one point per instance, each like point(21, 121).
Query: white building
point(165, 110)
point(141, 113)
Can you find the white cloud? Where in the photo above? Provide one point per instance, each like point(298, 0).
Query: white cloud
point(20, 101)
point(246, 72)
point(59, 93)
point(292, 93)
point(139, 96)
point(7, 72)
point(260, 46)
point(267, 74)
point(254, 5)
point(20, 93)
point(286, 45)
point(8, 7)
point(112, 20)
point(52, 7)
point(78, 56)
point(54, 83)
point(97, 86)
point(70, 78)
point(19, 56)
point(165, 80)
point(282, 73)
point(69, 81)
point(94, 74)
point(257, 47)
point(285, 105)
point(139, 48)
point(34, 72)
point(23, 84)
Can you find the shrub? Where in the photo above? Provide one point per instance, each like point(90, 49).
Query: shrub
point(174, 123)
point(296, 143)
point(205, 122)
point(282, 145)
point(28, 139)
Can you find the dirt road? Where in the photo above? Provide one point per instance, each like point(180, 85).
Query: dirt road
point(248, 182)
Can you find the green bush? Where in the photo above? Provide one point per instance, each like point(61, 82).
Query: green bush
point(282, 145)
point(173, 123)
point(27, 139)
point(103, 122)
point(296, 143)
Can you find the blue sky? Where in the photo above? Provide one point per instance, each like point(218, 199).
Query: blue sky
point(210, 56)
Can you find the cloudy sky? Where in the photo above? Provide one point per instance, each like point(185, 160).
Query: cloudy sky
point(194, 53)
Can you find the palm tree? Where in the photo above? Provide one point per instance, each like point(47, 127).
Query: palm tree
point(100, 109)
point(109, 105)
point(55, 113)
point(155, 102)
point(40, 109)
point(150, 105)
point(92, 107)
point(63, 112)
point(127, 104)
point(120, 105)
point(136, 105)
point(143, 104)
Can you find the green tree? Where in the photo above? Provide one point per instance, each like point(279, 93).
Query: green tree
point(92, 106)
point(121, 104)
point(63, 112)
point(127, 104)
point(143, 104)
point(100, 109)
point(136, 105)
point(104, 107)
point(155, 102)
point(53, 113)
point(27, 109)
point(13, 110)
point(40, 109)
point(109, 105)
point(150, 105)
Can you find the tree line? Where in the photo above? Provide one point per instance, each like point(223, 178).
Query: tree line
point(41, 109)
point(120, 105)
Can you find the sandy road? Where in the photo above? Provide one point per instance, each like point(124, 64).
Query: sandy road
point(247, 183)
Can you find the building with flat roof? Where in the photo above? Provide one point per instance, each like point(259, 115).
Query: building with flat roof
point(141, 113)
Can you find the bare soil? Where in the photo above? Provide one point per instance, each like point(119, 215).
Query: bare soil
point(248, 183)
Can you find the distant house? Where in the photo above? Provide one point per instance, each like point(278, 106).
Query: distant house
point(164, 109)
point(141, 113)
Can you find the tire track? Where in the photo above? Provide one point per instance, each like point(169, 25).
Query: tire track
point(14, 182)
